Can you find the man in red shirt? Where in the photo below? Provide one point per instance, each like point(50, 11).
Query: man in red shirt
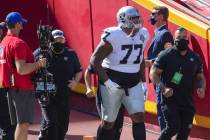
point(16, 68)
point(6, 129)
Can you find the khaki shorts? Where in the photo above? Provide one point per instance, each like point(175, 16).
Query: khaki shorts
point(21, 106)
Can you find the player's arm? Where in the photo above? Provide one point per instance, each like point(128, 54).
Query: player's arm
point(101, 52)
point(143, 79)
point(88, 84)
point(142, 71)
point(87, 78)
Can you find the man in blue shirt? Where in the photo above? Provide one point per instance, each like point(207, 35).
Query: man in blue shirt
point(162, 39)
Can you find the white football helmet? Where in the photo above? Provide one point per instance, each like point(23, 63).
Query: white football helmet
point(129, 17)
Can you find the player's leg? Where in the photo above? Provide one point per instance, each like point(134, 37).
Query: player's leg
point(134, 104)
point(118, 125)
point(110, 104)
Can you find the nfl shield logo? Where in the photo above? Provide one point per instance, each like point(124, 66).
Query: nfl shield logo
point(65, 58)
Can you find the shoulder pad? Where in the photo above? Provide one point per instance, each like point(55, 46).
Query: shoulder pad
point(144, 34)
point(110, 33)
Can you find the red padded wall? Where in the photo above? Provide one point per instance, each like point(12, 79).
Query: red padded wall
point(73, 17)
point(104, 15)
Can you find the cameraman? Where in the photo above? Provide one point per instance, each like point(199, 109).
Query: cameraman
point(64, 65)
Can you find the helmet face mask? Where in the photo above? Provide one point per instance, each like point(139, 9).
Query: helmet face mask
point(128, 17)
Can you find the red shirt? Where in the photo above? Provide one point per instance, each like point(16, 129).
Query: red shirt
point(5, 70)
point(16, 49)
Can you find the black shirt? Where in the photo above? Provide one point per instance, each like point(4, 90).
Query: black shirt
point(63, 66)
point(171, 61)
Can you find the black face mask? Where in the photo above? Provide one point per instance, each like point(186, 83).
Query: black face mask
point(181, 44)
point(152, 20)
point(58, 47)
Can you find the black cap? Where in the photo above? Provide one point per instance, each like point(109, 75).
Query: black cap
point(2, 25)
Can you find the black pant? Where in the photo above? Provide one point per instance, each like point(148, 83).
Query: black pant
point(160, 116)
point(178, 121)
point(5, 123)
point(55, 118)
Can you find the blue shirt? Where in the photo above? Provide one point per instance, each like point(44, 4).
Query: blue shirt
point(162, 36)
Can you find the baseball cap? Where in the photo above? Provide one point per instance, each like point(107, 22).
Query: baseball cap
point(14, 17)
point(2, 25)
point(57, 33)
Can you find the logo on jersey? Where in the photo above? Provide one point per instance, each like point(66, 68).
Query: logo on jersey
point(142, 38)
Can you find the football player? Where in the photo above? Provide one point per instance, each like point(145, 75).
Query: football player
point(118, 61)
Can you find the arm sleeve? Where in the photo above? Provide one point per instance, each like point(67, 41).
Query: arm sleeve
point(167, 38)
point(20, 51)
point(160, 61)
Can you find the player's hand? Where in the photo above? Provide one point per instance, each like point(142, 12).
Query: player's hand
point(201, 92)
point(89, 93)
point(72, 84)
point(111, 86)
point(168, 92)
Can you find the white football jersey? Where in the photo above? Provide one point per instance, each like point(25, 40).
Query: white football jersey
point(128, 52)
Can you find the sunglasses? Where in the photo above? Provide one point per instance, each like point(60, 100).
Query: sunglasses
point(154, 13)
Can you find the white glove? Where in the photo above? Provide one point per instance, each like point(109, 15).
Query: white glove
point(144, 88)
point(111, 86)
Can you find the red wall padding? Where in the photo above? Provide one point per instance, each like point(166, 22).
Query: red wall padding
point(73, 17)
